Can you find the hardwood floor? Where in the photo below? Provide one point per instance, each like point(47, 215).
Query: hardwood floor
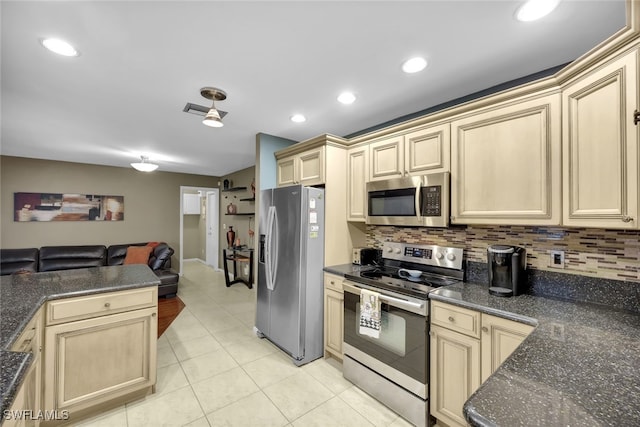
point(168, 310)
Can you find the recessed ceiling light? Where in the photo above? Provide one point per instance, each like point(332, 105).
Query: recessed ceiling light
point(535, 9)
point(60, 47)
point(414, 65)
point(298, 118)
point(346, 98)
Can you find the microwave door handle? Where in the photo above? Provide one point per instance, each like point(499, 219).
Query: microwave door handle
point(417, 200)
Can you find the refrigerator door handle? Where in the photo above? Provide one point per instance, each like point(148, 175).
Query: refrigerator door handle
point(268, 262)
point(274, 249)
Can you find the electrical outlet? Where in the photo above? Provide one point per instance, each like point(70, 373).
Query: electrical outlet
point(556, 259)
point(224, 226)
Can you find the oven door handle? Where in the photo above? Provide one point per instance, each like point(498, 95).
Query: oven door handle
point(397, 302)
point(400, 302)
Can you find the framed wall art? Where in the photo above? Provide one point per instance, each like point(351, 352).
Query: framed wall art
point(67, 207)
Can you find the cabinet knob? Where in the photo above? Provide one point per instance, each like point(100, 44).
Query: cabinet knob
point(333, 283)
point(485, 329)
point(627, 218)
point(107, 304)
point(153, 314)
point(451, 319)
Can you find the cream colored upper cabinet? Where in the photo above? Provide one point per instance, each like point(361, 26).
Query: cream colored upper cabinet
point(427, 150)
point(387, 158)
point(506, 163)
point(306, 168)
point(357, 174)
point(286, 171)
point(600, 151)
point(416, 153)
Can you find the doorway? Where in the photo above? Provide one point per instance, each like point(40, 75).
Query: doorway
point(204, 230)
point(212, 221)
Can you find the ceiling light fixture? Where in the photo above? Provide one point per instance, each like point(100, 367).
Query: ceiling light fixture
point(213, 118)
point(144, 165)
point(346, 98)
point(298, 118)
point(60, 47)
point(535, 9)
point(414, 65)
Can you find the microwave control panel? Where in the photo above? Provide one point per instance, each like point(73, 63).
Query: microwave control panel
point(431, 200)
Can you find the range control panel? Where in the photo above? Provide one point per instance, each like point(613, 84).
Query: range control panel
point(440, 256)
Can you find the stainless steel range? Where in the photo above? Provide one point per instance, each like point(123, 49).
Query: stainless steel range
point(393, 366)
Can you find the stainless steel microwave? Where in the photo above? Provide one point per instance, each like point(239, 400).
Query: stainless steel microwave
point(421, 201)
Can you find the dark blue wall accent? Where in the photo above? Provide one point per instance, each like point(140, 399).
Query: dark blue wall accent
point(485, 92)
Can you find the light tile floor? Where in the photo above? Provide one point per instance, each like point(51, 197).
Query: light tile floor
point(214, 371)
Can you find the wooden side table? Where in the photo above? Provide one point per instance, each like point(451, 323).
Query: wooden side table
point(238, 256)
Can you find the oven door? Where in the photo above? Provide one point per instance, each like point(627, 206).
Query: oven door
point(400, 353)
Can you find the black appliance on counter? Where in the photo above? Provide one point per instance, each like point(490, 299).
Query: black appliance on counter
point(394, 367)
point(367, 256)
point(507, 270)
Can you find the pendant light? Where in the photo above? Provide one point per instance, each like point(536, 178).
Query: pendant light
point(213, 118)
point(143, 165)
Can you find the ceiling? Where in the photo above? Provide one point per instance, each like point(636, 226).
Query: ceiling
point(142, 61)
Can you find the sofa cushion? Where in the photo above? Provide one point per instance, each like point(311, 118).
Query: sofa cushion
point(69, 257)
point(161, 257)
point(117, 253)
point(137, 255)
point(13, 260)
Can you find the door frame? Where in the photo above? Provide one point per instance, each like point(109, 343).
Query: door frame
point(202, 190)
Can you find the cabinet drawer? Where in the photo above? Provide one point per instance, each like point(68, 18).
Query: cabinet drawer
point(66, 310)
point(456, 318)
point(333, 281)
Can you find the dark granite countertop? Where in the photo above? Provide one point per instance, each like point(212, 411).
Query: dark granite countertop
point(343, 269)
point(22, 295)
point(579, 367)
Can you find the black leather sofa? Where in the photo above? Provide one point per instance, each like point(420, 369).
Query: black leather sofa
point(52, 258)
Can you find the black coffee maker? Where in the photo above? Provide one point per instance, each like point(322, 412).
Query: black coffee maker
point(507, 270)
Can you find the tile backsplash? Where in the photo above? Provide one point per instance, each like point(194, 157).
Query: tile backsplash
point(606, 254)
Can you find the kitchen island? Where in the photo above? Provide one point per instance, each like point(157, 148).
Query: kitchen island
point(68, 297)
point(579, 366)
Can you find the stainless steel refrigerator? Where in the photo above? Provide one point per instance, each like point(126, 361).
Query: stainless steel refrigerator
point(290, 260)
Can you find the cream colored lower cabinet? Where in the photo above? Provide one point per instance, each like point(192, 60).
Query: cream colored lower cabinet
point(333, 315)
point(462, 357)
point(26, 404)
point(93, 362)
point(500, 338)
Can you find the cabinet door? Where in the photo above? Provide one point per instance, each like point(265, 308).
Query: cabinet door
point(600, 155)
point(333, 322)
point(428, 150)
point(311, 167)
point(91, 361)
point(286, 171)
point(500, 338)
point(387, 159)
point(191, 204)
point(357, 175)
point(454, 373)
point(505, 166)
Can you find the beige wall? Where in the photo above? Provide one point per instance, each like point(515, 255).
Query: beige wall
point(152, 203)
point(191, 237)
point(241, 178)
